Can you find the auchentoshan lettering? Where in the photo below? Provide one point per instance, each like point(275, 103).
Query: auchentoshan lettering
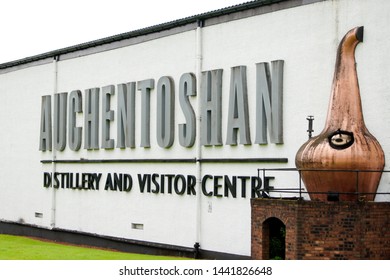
point(60, 121)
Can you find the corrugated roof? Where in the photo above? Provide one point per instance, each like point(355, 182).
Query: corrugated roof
point(143, 31)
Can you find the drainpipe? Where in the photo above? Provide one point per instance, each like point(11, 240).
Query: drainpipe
point(199, 58)
point(54, 151)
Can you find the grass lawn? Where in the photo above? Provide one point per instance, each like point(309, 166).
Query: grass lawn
point(25, 248)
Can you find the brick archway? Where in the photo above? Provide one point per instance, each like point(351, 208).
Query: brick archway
point(274, 239)
point(317, 230)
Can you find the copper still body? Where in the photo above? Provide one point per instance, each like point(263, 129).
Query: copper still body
point(344, 159)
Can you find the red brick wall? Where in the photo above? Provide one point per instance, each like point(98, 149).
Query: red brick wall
point(324, 230)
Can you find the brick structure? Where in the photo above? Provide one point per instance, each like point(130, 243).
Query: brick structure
point(323, 230)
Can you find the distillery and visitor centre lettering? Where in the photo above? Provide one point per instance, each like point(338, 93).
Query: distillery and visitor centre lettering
point(218, 186)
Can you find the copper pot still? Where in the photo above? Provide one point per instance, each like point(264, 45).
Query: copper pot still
point(344, 159)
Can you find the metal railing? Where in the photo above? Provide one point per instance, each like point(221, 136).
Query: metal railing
point(300, 191)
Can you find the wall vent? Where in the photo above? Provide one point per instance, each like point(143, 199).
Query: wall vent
point(137, 226)
point(38, 215)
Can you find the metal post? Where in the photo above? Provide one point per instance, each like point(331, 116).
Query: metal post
point(310, 125)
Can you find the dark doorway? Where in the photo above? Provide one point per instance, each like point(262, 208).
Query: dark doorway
point(274, 239)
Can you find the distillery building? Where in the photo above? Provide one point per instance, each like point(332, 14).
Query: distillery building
point(208, 136)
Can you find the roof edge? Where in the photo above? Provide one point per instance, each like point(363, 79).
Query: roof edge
point(141, 32)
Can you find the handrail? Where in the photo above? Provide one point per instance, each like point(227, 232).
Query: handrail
point(301, 190)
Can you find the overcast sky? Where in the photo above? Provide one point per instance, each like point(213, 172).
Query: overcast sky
point(31, 27)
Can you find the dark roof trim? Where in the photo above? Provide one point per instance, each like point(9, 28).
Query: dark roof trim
point(200, 18)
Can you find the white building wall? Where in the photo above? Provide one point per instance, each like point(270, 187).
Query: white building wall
point(305, 37)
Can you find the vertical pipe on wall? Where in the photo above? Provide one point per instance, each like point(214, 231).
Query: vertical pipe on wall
point(199, 57)
point(54, 153)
